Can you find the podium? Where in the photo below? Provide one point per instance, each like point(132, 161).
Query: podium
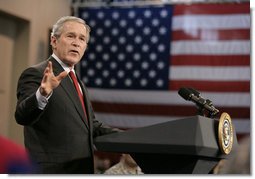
point(183, 146)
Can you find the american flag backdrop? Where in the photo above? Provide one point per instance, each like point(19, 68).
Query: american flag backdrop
point(138, 57)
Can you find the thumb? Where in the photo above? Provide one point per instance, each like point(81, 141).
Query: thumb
point(62, 75)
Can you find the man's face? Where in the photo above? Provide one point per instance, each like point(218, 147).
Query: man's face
point(71, 44)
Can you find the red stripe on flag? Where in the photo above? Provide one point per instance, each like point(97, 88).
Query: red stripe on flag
point(241, 136)
point(162, 110)
point(216, 9)
point(206, 34)
point(219, 86)
point(210, 60)
point(236, 112)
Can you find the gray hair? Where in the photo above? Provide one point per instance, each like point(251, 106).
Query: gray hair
point(58, 26)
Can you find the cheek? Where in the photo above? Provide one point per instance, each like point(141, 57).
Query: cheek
point(84, 49)
point(64, 49)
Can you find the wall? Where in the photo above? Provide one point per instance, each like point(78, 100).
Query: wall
point(24, 41)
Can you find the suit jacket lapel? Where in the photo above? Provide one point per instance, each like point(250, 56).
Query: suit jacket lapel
point(68, 86)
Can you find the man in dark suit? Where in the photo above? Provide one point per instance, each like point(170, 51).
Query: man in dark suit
point(58, 132)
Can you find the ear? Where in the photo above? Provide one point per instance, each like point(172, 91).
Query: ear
point(53, 41)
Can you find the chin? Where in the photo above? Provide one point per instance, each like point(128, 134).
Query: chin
point(71, 62)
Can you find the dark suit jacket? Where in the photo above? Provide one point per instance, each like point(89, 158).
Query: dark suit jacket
point(58, 138)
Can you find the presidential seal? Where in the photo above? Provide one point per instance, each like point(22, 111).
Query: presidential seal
point(225, 133)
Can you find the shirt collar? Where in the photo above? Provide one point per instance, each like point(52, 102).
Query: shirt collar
point(64, 66)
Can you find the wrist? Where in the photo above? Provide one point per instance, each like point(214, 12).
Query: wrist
point(43, 92)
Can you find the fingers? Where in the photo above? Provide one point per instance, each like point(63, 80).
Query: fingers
point(47, 71)
point(50, 67)
point(45, 76)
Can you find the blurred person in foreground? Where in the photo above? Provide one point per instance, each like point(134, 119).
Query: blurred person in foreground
point(239, 162)
point(14, 159)
point(59, 127)
point(126, 165)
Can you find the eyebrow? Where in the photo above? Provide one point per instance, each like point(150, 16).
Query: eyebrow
point(73, 33)
point(83, 35)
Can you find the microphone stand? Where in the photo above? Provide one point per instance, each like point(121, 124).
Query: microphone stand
point(202, 112)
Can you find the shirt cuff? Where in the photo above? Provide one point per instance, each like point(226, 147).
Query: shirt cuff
point(42, 100)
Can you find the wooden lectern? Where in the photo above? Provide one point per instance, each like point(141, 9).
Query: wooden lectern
point(183, 146)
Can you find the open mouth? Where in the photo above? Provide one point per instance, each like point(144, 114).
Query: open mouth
point(74, 51)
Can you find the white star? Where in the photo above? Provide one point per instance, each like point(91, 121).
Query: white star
point(129, 65)
point(106, 40)
point(153, 56)
point(145, 65)
point(100, 15)
point(154, 39)
point(113, 65)
point(85, 15)
point(99, 31)
point(146, 30)
point(112, 82)
point(92, 56)
point(85, 80)
point(107, 23)
point(121, 57)
point(139, 22)
point(98, 81)
point(122, 40)
point(115, 31)
point(92, 23)
point(155, 22)
point(128, 82)
point(115, 15)
point(162, 30)
point(92, 39)
point(138, 39)
point(161, 65)
point(123, 23)
point(120, 73)
point(114, 48)
point(136, 73)
point(130, 31)
point(145, 47)
point(105, 73)
point(152, 73)
point(137, 56)
point(147, 13)
point(143, 82)
point(129, 48)
point(99, 48)
point(161, 47)
point(84, 63)
point(106, 57)
point(159, 83)
point(163, 13)
point(131, 14)
point(99, 65)
point(91, 72)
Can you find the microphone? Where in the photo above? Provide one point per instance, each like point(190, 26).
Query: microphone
point(195, 92)
point(191, 94)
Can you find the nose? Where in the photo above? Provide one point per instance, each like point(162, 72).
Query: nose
point(76, 42)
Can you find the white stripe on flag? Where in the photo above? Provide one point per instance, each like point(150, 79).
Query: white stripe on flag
point(166, 97)
point(188, 47)
point(242, 125)
point(210, 73)
point(188, 22)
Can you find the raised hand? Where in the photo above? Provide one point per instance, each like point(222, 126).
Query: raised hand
point(50, 81)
